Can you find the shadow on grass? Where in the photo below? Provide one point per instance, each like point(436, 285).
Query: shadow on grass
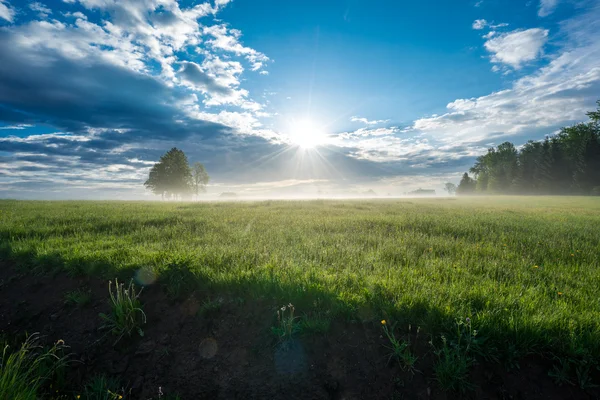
point(180, 277)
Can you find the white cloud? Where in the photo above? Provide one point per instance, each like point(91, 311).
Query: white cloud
point(76, 14)
point(228, 40)
point(479, 24)
point(16, 127)
point(368, 122)
point(555, 95)
point(41, 9)
point(367, 132)
point(156, 28)
point(6, 11)
point(137, 32)
point(517, 47)
point(242, 122)
point(547, 7)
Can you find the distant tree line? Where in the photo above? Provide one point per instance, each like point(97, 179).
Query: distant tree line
point(566, 163)
point(172, 176)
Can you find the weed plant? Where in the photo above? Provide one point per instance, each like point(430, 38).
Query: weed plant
point(126, 315)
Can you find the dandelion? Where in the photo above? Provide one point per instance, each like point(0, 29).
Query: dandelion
point(60, 341)
point(78, 396)
point(468, 320)
point(572, 255)
point(535, 266)
point(383, 322)
point(560, 293)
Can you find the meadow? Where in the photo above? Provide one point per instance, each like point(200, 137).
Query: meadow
point(523, 271)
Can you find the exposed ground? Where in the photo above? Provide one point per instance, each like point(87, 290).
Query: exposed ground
point(524, 271)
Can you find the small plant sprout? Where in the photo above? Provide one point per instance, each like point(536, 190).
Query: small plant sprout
point(561, 373)
point(287, 325)
point(210, 307)
point(401, 351)
point(78, 297)
point(126, 313)
point(455, 359)
point(316, 323)
point(102, 388)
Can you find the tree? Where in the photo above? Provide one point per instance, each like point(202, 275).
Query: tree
point(171, 176)
point(450, 188)
point(543, 170)
point(527, 161)
point(565, 163)
point(466, 185)
point(199, 178)
point(595, 115)
point(503, 168)
point(481, 170)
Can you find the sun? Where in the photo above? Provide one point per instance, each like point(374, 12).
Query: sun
point(306, 134)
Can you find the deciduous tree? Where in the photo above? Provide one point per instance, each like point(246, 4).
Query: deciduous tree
point(171, 175)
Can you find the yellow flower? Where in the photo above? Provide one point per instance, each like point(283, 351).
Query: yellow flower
point(78, 396)
point(535, 266)
point(572, 255)
point(560, 293)
point(383, 322)
point(120, 397)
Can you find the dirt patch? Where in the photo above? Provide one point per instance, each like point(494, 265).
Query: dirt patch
point(230, 353)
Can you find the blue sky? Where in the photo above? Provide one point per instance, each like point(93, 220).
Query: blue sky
point(282, 97)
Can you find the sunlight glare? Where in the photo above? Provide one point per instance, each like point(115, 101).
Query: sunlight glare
point(306, 134)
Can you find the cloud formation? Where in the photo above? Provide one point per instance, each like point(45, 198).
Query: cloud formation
point(6, 11)
point(367, 121)
point(518, 47)
point(480, 24)
point(547, 7)
point(41, 9)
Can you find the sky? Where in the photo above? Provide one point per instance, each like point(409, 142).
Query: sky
point(277, 98)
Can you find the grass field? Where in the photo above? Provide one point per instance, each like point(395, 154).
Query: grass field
point(525, 270)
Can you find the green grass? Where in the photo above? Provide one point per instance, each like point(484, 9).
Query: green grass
point(425, 262)
point(26, 369)
point(126, 314)
point(78, 297)
point(102, 388)
point(401, 350)
point(315, 323)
